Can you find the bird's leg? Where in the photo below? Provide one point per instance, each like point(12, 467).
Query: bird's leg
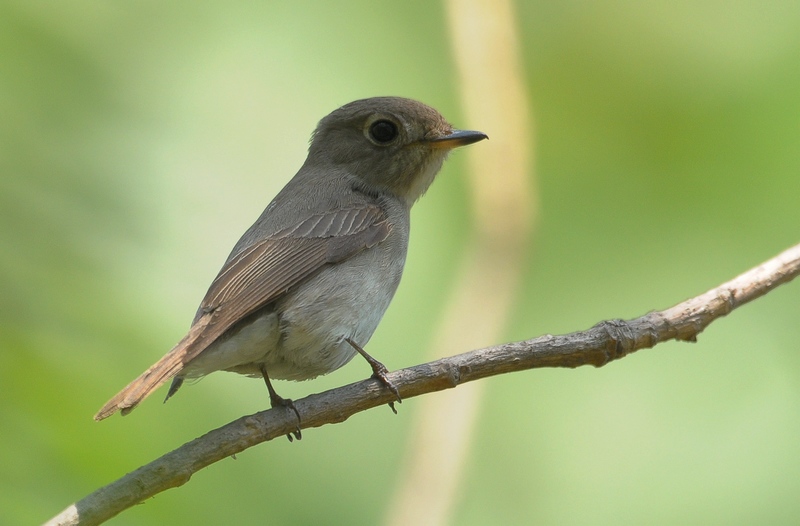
point(276, 400)
point(378, 371)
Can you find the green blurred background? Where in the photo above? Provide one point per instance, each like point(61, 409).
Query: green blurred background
point(138, 140)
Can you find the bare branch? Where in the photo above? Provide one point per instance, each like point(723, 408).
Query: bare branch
point(606, 341)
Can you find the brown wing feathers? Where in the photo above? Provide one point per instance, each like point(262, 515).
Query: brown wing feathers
point(255, 277)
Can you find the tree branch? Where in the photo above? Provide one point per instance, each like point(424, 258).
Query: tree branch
point(606, 341)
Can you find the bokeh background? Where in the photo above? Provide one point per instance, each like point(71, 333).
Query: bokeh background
point(138, 140)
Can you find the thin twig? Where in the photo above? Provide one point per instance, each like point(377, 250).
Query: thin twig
point(606, 341)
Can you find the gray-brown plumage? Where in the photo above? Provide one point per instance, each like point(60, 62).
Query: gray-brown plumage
point(318, 269)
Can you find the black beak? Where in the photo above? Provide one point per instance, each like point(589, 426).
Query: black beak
point(457, 138)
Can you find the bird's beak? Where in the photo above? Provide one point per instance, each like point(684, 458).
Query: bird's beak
point(457, 138)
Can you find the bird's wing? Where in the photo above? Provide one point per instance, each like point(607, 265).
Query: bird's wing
point(262, 272)
point(258, 275)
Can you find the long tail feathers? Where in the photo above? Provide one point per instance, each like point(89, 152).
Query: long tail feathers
point(158, 373)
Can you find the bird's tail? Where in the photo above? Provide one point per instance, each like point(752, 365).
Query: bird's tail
point(150, 380)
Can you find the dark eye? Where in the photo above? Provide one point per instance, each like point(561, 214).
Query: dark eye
point(383, 131)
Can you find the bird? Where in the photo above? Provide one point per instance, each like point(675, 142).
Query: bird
point(305, 287)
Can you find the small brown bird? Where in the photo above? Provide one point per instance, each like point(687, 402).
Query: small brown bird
point(305, 287)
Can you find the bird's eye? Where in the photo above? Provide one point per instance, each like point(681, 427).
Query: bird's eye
point(383, 131)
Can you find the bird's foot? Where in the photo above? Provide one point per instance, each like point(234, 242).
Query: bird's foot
point(276, 400)
point(379, 372)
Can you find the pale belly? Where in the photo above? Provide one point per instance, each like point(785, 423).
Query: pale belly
point(304, 335)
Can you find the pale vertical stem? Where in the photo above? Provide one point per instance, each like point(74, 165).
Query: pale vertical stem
point(486, 49)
